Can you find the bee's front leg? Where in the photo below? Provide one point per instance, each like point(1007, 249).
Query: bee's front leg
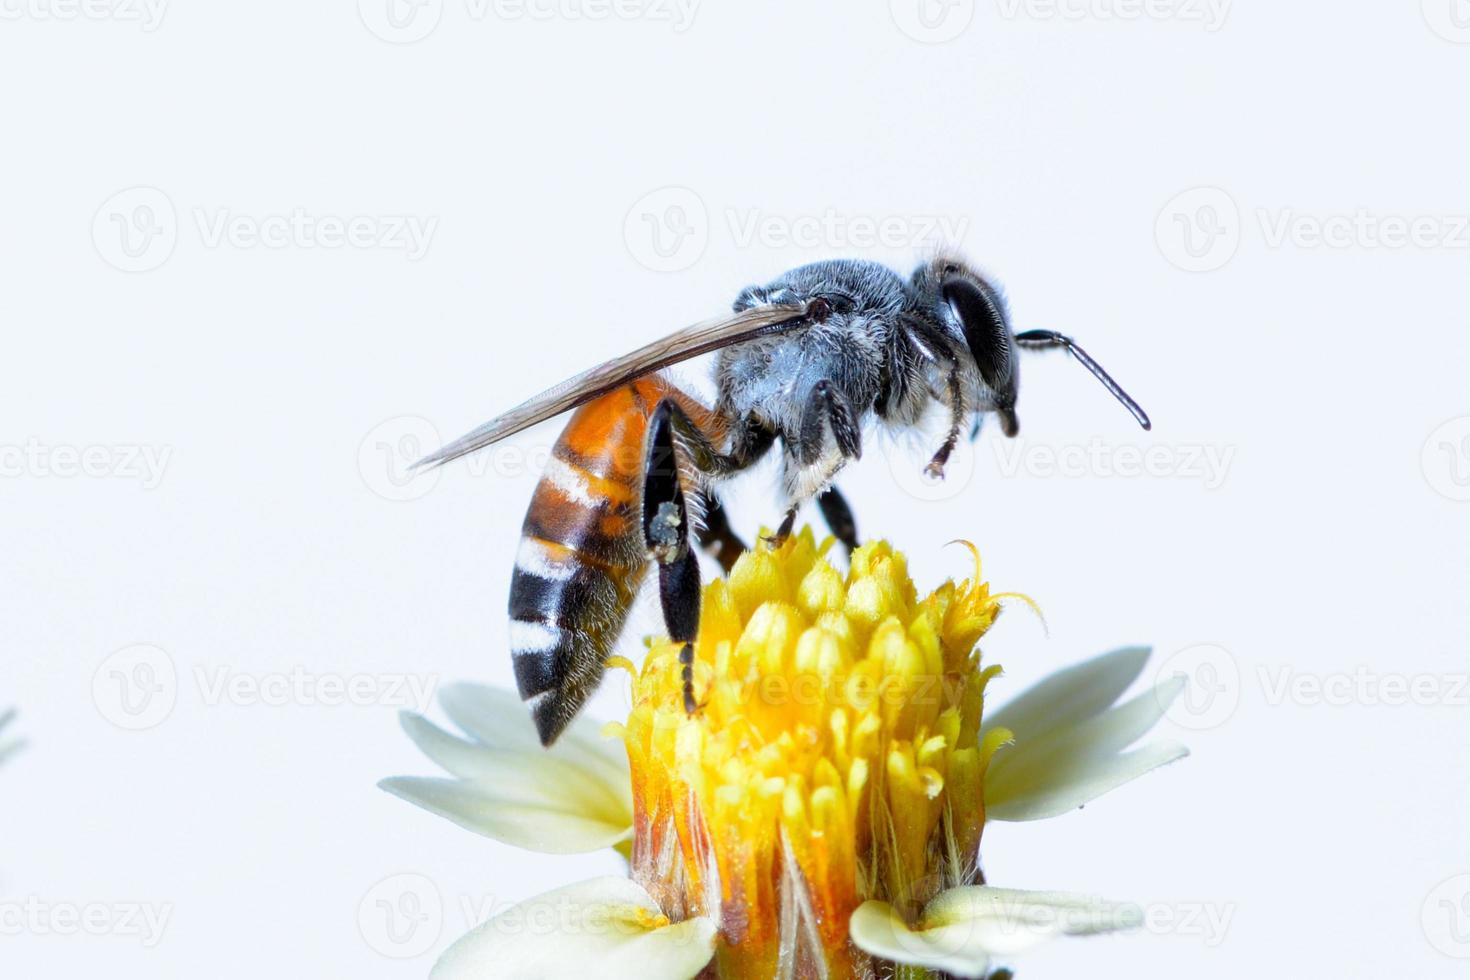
point(666, 534)
point(810, 466)
point(935, 469)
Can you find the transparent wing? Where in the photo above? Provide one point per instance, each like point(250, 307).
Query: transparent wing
point(687, 343)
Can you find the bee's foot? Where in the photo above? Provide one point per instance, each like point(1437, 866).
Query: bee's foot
point(783, 532)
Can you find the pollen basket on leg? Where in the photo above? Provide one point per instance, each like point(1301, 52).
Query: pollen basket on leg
point(835, 756)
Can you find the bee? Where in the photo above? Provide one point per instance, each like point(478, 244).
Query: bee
point(809, 361)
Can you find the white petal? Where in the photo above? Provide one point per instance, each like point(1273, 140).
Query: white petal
point(1070, 695)
point(499, 719)
point(606, 928)
point(1067, 789)
point(536, 813)
point(571, 798)
point(495, 762)
point(879, 931)
point(1031, 764)
point(963, 928)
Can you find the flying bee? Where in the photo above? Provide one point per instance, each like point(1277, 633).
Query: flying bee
point(809, 361)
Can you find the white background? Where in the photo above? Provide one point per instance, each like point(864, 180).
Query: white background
point(281, 384)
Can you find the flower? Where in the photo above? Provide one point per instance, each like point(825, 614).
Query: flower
point(821, 813)
point(572, 798)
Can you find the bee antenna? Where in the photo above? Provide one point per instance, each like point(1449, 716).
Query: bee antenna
point(1045, 339)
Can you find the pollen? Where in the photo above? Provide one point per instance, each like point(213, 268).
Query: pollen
point(835, 755)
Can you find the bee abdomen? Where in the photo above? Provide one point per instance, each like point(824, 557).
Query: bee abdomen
point(580, 561)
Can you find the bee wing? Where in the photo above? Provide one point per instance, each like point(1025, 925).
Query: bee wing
point(688, 343)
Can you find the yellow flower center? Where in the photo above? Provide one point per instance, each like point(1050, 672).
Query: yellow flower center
point(835, 756)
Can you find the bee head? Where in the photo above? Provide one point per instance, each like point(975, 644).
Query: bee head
point(972, 307)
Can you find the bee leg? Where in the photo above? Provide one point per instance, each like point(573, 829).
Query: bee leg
point(935, 469)
point(666, 535)
point(749, 441)
point(827, 406)
point(784, 531)
point(838, 515)
point(717, 537)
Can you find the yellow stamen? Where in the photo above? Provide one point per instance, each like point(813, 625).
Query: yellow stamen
point(622, 663)
point(836, 756)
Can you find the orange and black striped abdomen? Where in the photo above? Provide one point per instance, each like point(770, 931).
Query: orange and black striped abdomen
point(582, 555)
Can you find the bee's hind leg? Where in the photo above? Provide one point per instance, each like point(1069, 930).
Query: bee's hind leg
point(666, 535)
